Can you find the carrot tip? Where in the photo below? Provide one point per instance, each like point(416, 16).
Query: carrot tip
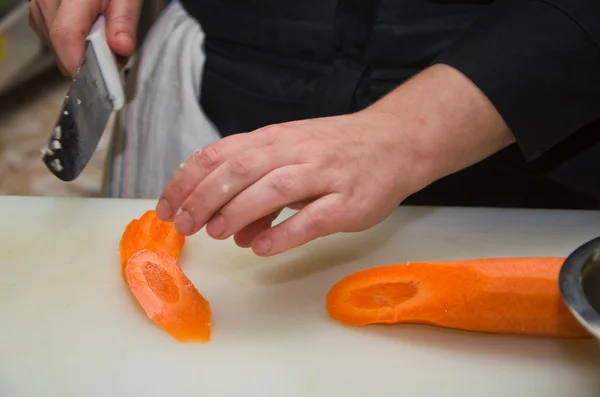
point(149, 232)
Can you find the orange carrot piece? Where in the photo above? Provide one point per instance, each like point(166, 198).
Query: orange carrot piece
point(132, 241)
point(167, 296)
point(162, 234)
point(492, 295)
point(152, 233)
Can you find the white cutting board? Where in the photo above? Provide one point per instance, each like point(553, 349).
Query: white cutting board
point(69, 326)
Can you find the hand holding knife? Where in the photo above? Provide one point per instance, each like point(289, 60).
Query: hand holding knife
point(96, 92)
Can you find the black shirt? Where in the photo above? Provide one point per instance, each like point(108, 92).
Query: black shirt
point(538, 61)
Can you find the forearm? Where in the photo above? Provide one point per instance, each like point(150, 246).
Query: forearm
point(446, 120)
point(528, 71)
point(538, 62)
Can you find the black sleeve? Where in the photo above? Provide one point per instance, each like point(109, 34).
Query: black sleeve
point(538, 61)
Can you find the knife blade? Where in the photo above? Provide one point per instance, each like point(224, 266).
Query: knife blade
point(95, 93)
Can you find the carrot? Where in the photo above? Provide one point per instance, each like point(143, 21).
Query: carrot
point(152, 233)
point(492, 295)
point(132, 241)
point(167, 296)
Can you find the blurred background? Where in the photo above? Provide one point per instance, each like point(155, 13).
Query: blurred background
point(32, 91)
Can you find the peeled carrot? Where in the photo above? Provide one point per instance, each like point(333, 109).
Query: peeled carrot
point(152, 233)
point(493, 295)
point(150, 250)
point(167, 296)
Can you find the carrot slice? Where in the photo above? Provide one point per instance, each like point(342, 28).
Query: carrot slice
point(493, 295)
point(161, 234)
point(152, 233)
point(167, 296)
point(132, 241)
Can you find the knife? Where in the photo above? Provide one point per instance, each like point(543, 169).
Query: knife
point(96, 92)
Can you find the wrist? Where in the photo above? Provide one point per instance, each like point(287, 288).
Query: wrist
point(444, 123)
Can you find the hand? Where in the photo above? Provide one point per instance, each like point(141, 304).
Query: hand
point(64, 25)
point(346, 173)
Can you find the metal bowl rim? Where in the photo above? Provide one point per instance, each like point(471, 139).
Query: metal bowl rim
point(571, 289)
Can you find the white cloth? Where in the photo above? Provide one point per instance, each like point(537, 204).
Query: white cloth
point(163, 124)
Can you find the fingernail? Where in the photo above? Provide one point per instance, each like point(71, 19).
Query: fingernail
point(184, 223)
point(216, 226)
point(125, 35)
point(262, 246)
point(163, 209)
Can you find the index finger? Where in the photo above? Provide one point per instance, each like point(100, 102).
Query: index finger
point(200, 165)
point(74, 19)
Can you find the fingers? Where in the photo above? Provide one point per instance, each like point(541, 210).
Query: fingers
point(69, 29)
point(65, 24)
point(226, 182)
point(244, 237)
point(199, 166)
point(278, 189)
point(122, 18)
point(318, 219)
point(41, 15)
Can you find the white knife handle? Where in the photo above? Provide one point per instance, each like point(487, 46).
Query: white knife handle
point(107, 62)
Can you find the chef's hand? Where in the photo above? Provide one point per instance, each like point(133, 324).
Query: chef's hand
point(64, 25)
point(345, 173)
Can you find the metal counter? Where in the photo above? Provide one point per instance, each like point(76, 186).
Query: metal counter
point(22, 54)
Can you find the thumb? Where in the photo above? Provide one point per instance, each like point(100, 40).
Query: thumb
point(122, 18)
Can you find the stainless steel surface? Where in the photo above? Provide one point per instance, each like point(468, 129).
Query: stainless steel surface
point(20, 48)
point(6, 6)
point(42, 63)
point(579, 283)
point(81, 123)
